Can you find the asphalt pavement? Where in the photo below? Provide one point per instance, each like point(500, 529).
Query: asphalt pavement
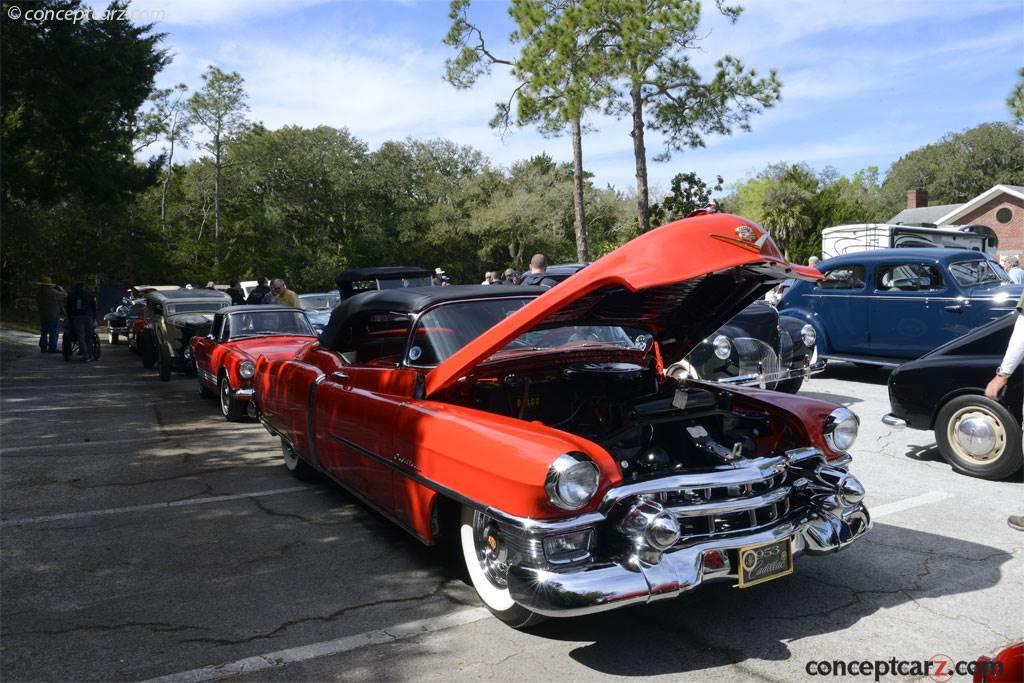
point(143, 536)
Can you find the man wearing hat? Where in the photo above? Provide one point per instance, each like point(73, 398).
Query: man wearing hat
point(51, 305)
point(437, 280)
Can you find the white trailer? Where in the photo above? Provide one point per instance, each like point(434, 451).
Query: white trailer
point(846, 239)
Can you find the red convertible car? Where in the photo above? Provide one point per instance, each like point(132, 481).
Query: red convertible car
point(536, 428)
point(225, 360)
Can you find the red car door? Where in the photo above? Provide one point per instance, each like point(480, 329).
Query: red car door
point(355, 431)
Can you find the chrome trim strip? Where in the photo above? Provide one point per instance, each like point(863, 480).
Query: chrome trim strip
point(400, 467)
point(244, 393)
point(310, 424)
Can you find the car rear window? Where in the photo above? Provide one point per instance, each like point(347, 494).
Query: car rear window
point(976, 272)
point(843, 277)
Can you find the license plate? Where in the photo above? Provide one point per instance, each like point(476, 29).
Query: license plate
point(764, 562)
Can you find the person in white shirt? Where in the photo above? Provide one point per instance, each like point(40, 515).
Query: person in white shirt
point(1013, 357)
point(1014, 270)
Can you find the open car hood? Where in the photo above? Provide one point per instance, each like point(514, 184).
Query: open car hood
point(679, 282)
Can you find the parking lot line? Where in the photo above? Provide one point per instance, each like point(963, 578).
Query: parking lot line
point(908, 503)
point(151, 506)
point(302, 653)
point(168, 436)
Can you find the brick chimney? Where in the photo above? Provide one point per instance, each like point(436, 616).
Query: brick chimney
point(917, 198)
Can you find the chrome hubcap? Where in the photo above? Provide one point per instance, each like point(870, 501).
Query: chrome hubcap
point(977, 434)
point(491, 551)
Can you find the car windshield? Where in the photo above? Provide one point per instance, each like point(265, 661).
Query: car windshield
point(263, 323)
point(404, 282)
point(977, 272)
point(446, 329)
point(199, 307)
point(312, 302)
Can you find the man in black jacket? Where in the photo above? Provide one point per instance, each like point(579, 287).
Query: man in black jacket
point(536, 276)
point(82, 312)
point(258, 292)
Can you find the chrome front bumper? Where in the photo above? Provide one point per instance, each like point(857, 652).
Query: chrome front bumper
point(764, 379)
point(597, 588)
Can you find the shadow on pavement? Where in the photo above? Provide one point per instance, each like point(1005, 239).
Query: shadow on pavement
point(719, 625)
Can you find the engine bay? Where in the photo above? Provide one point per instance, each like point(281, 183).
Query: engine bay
point(651, 429)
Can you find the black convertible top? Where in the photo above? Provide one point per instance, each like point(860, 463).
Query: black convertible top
point(413, 300)
point(186, 294)
point(382, 272)
point(258, 308)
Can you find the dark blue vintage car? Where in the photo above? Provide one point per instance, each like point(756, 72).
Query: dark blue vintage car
point(886, 306)
point(756, 347)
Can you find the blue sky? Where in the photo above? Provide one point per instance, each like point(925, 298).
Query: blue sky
point(864, 81)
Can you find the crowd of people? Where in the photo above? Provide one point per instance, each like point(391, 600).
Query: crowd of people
point(79, 308)
point(534, 276)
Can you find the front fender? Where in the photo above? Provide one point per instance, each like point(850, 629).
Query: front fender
point(491, 460)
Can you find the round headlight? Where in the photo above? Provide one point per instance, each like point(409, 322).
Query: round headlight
point(247, 369)
point(808, 335)
point(572, 481)
point(841, 429)
point(723, 347)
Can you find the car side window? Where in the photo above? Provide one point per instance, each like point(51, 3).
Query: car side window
point(843, 277)
point(908, 277)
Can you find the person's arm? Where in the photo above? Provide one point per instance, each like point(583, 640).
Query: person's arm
point(1013, 357)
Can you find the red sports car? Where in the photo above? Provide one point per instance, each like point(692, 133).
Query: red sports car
point(536, 428)
point(225, 360)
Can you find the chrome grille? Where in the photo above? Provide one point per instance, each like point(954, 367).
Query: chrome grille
point(756, 357)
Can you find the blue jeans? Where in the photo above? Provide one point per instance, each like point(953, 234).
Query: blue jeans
point(48, 333)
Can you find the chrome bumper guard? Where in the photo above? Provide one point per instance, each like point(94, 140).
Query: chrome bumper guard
point(894, 422)
point(830, 518)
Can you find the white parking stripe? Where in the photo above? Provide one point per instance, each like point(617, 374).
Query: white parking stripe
point(908, 503)
point(391, 634)
point(170, 437)
point(153, 506)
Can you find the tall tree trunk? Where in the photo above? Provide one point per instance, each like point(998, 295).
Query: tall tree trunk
point(643, 209)
point(582, 249)
point(216, 203)
point(163, 189)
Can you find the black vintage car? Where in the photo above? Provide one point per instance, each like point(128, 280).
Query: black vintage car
point(357, 280)
point(756, 347)
point(944, 390)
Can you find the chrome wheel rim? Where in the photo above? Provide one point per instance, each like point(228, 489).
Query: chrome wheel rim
point(976, 434)
point(290, 459)
point(225, 396)
point(491, 551)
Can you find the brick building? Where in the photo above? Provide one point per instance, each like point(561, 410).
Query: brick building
point(1000, 208)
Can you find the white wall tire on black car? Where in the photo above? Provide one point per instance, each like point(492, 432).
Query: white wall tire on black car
point(481, 546)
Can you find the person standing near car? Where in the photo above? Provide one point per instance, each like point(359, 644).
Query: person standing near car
point(1014, 270)
point(282, 295)
point(536, 276)
point(81, 309)
point(234, 290)
point(258, 292)
point(51, 299)
point(1011, 360)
